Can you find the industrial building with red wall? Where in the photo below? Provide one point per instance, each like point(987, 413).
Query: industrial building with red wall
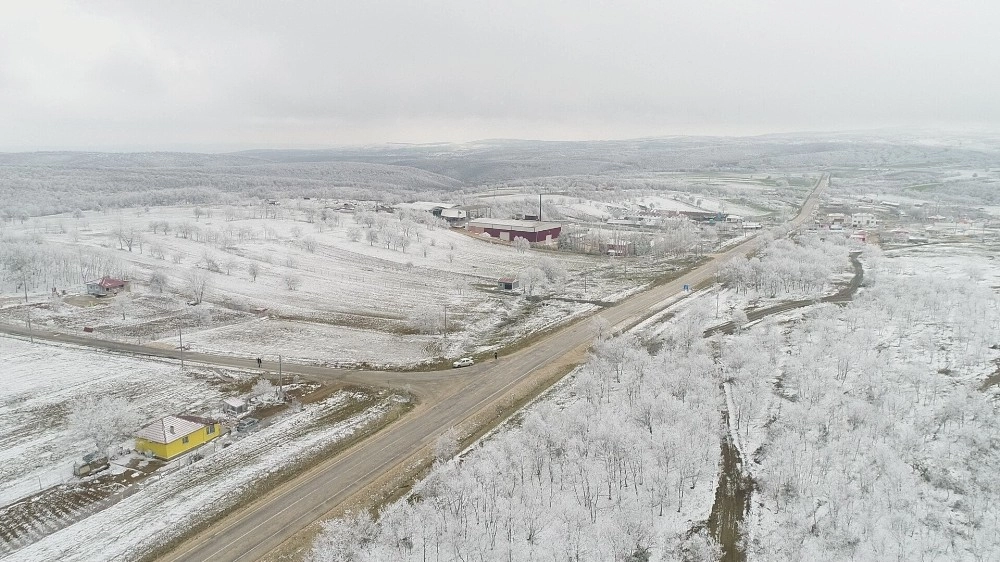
point(536, 232)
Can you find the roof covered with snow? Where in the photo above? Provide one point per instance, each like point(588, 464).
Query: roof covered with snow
point(109, 283)
point(425, 206)
point(170, 428)
point(512, 224)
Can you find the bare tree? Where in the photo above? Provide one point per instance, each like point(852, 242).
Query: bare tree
point(20, 264)
point(198, 212)
point(292, 281)
point(156, 250)
point(211, 263)
point(309, 243)
point(199, 283)
point(253, 269)
point(158, 281)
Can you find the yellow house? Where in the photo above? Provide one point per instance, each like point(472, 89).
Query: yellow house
point(174, 435)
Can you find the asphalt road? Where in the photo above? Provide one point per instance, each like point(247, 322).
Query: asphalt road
point(446, 399)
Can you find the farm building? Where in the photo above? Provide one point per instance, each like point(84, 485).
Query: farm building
point(174, 435)
point(535, 232)
point(698, 216)
point(463, 213)
point(618, 248)
point(508, 284)
point(234, 406)
point(836, 218)
point(865, 220)
point(107, 286)
point(426, 207)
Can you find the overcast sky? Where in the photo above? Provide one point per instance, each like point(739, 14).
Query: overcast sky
point(228, 75)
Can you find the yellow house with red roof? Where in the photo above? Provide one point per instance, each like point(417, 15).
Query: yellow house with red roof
point(171, 436)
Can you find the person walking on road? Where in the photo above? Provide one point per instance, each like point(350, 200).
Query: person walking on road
point(495, 356)
point(258, 362)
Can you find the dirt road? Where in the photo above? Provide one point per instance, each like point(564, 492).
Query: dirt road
point(447, 398)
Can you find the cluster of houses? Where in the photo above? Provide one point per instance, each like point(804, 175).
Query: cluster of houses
point(838, 221)
point(473, 218)
point(537, 231)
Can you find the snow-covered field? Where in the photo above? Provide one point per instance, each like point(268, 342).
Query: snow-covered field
point(325, 273)
point(43, 382)
point(311, 342)
point(195, 494)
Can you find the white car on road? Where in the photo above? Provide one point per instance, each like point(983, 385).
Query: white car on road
point(463, 362)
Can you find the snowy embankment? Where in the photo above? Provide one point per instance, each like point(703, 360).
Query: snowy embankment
point(873, 437)
point(195, 494)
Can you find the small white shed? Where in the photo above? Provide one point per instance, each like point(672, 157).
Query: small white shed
point(234, 406)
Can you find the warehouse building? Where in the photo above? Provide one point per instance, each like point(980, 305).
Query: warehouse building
point(536, 232)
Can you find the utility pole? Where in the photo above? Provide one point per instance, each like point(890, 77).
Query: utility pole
point(180, 339)
point(718, 291)
point(446, 322)
point(280, 390)
point(31, 336)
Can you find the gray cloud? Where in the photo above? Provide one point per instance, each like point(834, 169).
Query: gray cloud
point(220, 75)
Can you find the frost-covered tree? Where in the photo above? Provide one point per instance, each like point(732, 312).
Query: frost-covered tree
point(263, 389)
point(585, 480)
point(103, 420)
point(532, 279)
point(199, 282)
point(158, 281)
point(521, 244)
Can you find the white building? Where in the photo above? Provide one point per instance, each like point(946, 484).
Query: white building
point(863, 220)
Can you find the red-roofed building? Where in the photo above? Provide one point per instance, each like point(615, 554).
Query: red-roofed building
point(107, 286)
point(508, 284)
point(508, 230)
